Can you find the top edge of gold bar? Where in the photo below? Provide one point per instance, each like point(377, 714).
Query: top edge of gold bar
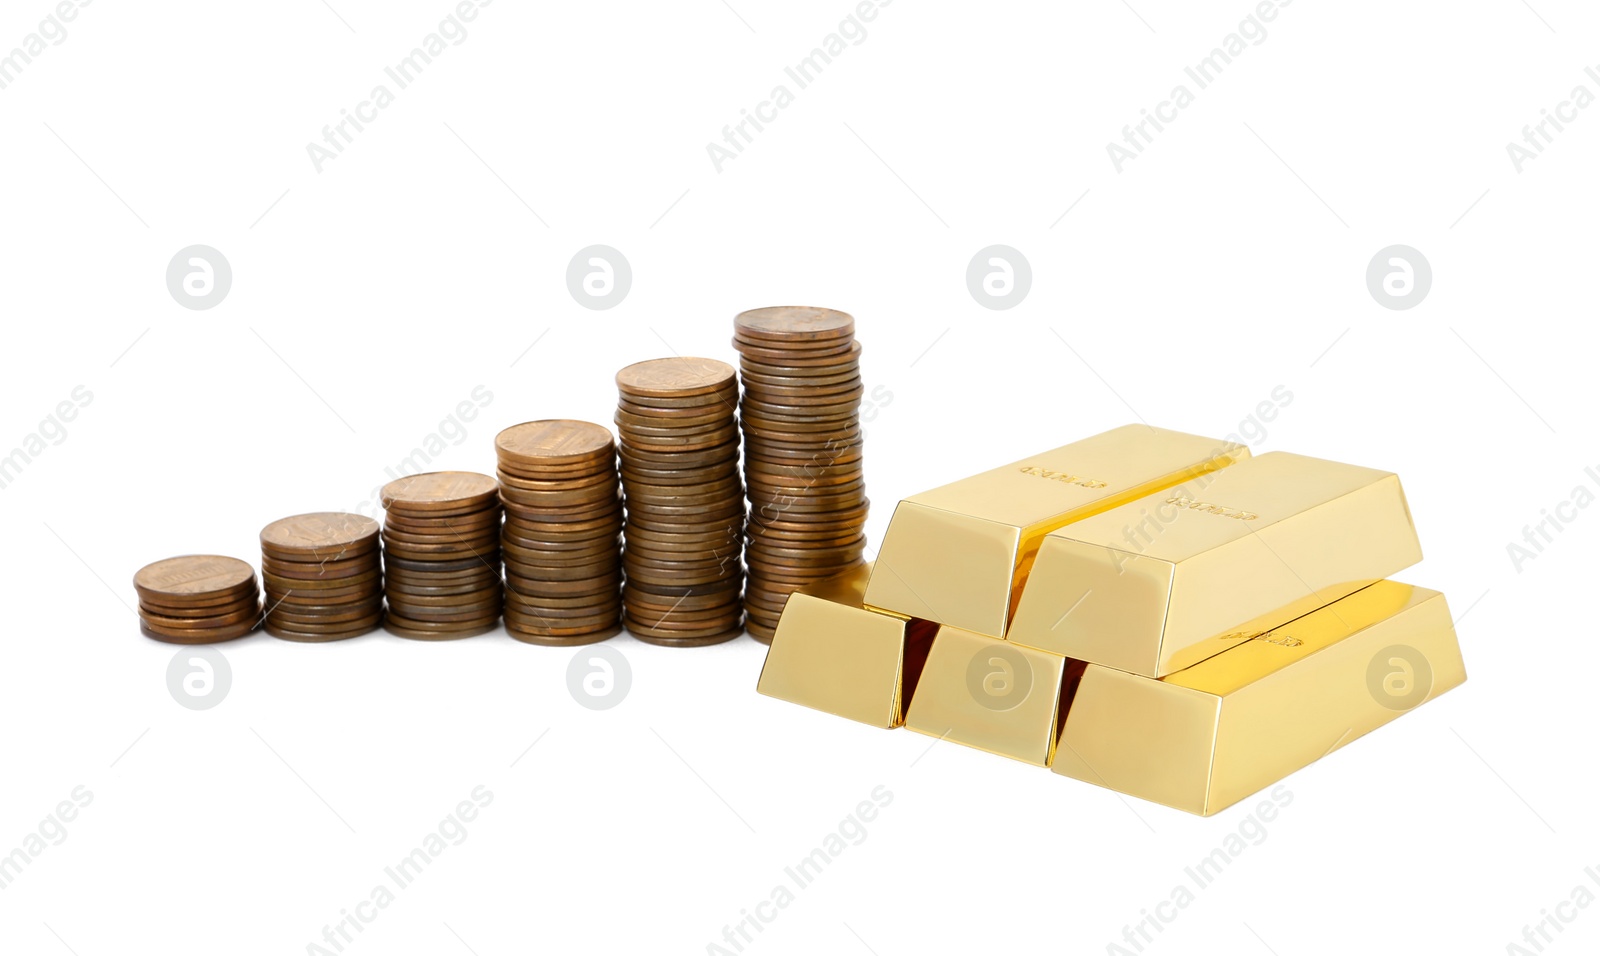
point(956, 554)
point(1166, 581)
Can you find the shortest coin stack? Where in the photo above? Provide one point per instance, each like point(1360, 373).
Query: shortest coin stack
point(558, 481)
point(198, 599)
point(441, 544)
point(324, 576)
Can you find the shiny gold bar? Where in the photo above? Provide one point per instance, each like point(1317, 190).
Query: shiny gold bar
point(991, 694)
point(958, 554)
point(1206, 737)
point(1162, 583)
point(832, 654)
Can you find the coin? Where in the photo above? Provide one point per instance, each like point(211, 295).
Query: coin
point(197, 599)
point(791, 323)
point(438, 490)
point(318, 536)
point(675, 377)
point(553, 442)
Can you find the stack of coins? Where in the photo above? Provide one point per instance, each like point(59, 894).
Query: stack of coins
point(441, 550)
point(198, 599)
point(323, 575)
point(563, 557)
point(680, 479)
point(802, 433)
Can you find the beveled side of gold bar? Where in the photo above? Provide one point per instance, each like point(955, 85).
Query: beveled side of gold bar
point(1164, 582)
point(989, 694)
point(956, 554)
point(1206, 737)
point(834, 655)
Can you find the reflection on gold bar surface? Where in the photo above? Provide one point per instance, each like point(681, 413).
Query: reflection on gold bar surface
point(956, 554)
point(1162, 583)
point(834, 655)
point(989, 694)
point(1208, 736)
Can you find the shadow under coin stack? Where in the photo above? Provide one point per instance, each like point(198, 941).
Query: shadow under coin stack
point(680, 481)
point(563, 557)
point(198, 599)
point(441, 543)
point(324, 576)
point(802, 435)
point(1156, 613)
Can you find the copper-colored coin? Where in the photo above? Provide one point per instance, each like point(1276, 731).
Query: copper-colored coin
point(305, 635)
point(194, 580)
point(250, 601)
point(574, 640)
point(596, 482)
point(276, 582)
point(453, 564)
point(211, 635)
point(538, 586)
point(560, 626)
point(460, 524)
point(675, 377)
point(335, 575)
point(727, 397)
point(320, 535)
point(760, 632)
point(291, 616)
point(554, 442)
point(439, 490)
point(794, 323)
point(240, 615)
point(399, 629)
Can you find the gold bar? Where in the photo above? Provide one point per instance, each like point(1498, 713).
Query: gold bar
point(958, 554)
point(832, 654)
point(991, 694)
point(1162, 583)
point(1206, 737)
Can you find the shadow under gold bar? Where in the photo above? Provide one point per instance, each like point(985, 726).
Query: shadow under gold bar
point(1210, 735)
point(1162, 583)
point(832, 654)
point(956, 554)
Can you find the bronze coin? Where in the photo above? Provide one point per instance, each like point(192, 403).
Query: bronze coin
point(774, 350)
point(398, 542)
point(682, 590)
point(435, 625)
point(597, 482)
point(412, 606)
point(304, 635)
point(627, 419)
point(199, 623)
point(507, 468)
point(575, 640)
point(557, 626)
point(422, 533)
point(563, 603)
point(195, 579)
point(648, 602)
point(189, 613)
point(554, 442)
point(698, 458)
point(760, 632)
point(794, 323)
point(749, 353)
point(438, 490)
point(292, 617)
point(675, 377)
point(720, 406)
point(535, 542)
point(399, 629)
point(211, 635)
point(429, 583)
point(762, 385)
point(454, 564)
point(315, 571)
point(414, 615)
point(466, 524)
point(275, 581)
point(320, 535)
point(687, 642)
point(533, 587)
point(726, 397)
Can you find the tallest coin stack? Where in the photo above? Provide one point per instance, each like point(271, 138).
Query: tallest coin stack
point(802, 434)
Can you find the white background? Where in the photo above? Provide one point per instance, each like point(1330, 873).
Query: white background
point(371, 298)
